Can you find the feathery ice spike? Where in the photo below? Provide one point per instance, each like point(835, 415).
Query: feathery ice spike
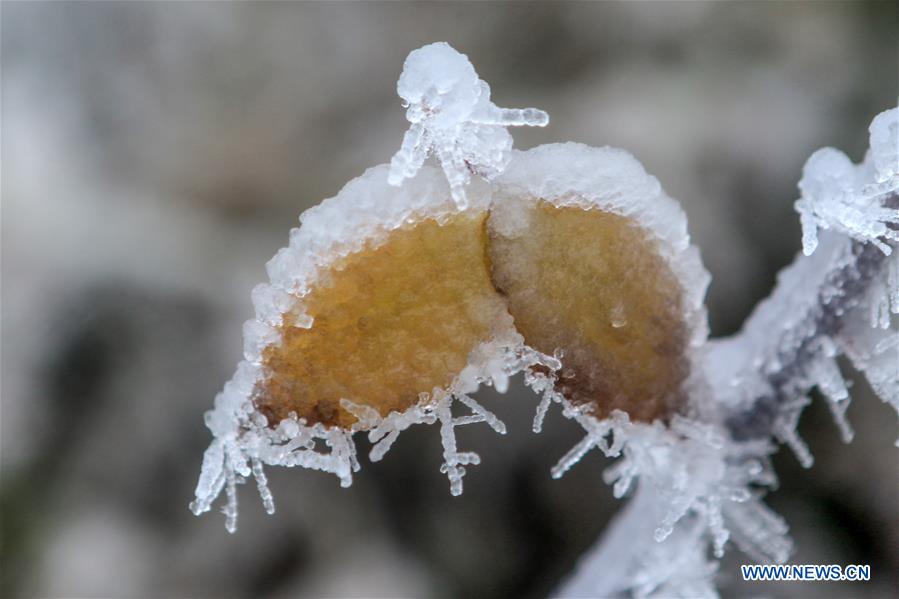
point(839, 196)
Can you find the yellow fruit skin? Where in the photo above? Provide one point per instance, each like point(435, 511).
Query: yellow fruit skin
point(390, 322)
point(592, 284)
point(400, 318)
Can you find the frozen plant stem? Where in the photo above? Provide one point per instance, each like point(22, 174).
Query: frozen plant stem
point(841, 290)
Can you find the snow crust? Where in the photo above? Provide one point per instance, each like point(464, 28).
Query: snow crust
point(452, 117)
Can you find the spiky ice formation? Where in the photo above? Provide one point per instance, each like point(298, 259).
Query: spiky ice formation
point(850, 199)
point(696, 489)
point(387, 306)
point(451, 116)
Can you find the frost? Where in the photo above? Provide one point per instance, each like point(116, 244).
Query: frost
point(244, 442)
point(703, 487)
point(627, 560)
point(837, 195)
point(451, 116)
point(695, 488)
point(825, 374)
point(837, 300)
point(873, 346)
point(437, 407)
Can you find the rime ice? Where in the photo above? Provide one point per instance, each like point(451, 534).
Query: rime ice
point(838, 195)
point(884, 139)
point(451, 116)
point(289, 402)
point(838, 300)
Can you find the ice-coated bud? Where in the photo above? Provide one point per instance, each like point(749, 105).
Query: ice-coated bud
point(451, 116)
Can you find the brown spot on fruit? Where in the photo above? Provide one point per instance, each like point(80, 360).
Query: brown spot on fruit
point(592, 284)
point(391, 321)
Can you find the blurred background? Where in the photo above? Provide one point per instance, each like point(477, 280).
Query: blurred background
point(155, 156)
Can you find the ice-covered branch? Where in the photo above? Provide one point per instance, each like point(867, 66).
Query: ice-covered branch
point(845, 279)
point(810, 309)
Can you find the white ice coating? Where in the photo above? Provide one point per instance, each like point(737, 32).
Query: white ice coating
point(452, 117)
point(739, 367)
point(841, 196)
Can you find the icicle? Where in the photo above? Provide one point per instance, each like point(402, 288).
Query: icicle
point(268, 502)
point(784, 429)
point(483, 415)
point(454, 461)
point(212, 478)
point(542, 409)
point(573, 456)
point(230, 509)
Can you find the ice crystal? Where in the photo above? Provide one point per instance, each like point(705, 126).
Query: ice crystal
point(695, 488)
point(451, 116)
point(837, 300)
point(837, 195)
